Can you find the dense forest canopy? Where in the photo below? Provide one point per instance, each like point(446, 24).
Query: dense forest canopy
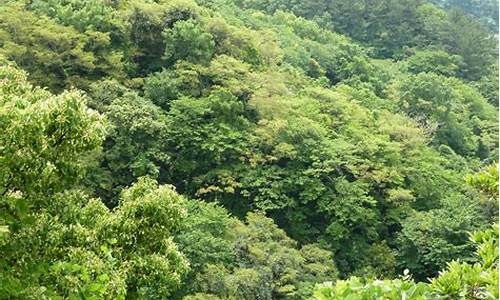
point(248, 149)
point(486, 11)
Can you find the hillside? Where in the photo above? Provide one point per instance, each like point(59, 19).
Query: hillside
point(247, 149)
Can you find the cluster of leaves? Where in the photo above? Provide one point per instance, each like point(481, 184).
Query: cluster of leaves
point(477, 279)
point(394, 28)
point(458, 281)
point(254, 259)
point(485, 10)
point(74, 246)
point(56, 56)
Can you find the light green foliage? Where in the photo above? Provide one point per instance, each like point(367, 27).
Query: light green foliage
point(45, 138)
point(385, 25)
point(488, 85)
point(200, 296)
point(143, 226)
point(235, 260)
point(438, 62)
point(301, 170)
point(78, 248)
point(478, 280)
point(354, 288)
point(232, 74)
point(205, 240)
point(472, 281)
point(486, 181)
point(475, 279)
point(320, 52)
point(392, 27)
point(55, 56)
point(189, 79)
point(241, 43)
point(266, 248)
point(94, 15)
point(73, 246)
point(45, 141)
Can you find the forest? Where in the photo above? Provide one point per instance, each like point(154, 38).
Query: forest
point(249, 149)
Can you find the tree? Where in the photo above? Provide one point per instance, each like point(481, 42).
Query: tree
point(266, 265)
point(438, 62)
point(45, 138)
point(474, 281)
point(320, 139)
point(143, 227)
point(488, 85)
point(378, 289)
point(45, 141)
point(453, 111)
point(74, 246)
point(428, 240)
point(206, 239)
point(458, 280)
point(146, 23)
point(133, 146)
point(56, 56)
point(187, 41)
point(94, 15)
point(486, 11)
point(475, 45)
point(214, 127)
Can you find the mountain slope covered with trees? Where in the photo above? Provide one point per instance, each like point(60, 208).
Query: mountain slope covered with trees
point(247, 149)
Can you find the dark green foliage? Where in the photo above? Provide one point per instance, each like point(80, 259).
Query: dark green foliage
point(488, 85)
point(391, 28)
point(146, 26)
point(257, 261)
point(161, 88)
point(475, 45)
point(133, 146)
point(430, 239)
point(453, 112)
point(477, 280)
point(187, 41)
point(213, 128)
point(485, 10)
